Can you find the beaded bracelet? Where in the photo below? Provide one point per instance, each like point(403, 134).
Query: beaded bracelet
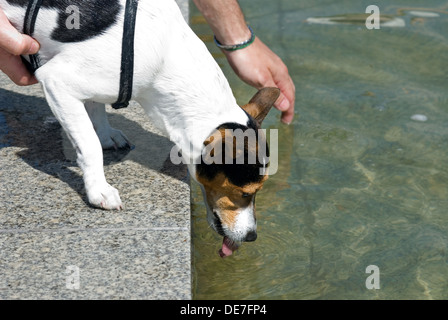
point(233, 47)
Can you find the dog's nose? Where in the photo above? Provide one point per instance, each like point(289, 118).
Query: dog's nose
point(251, 236)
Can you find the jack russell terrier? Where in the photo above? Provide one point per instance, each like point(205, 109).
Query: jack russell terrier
point(176, 81)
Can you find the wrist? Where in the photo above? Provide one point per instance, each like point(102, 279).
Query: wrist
point(234, 33)
point(235, 42)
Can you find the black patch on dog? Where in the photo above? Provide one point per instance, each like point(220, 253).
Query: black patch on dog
point(238, 174)
point(95, 17)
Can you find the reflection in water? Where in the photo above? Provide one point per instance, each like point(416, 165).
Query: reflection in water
point(357, 19)
point(363, 169)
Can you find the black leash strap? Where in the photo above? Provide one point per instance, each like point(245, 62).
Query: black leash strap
point(127, 55)
point(28, 28)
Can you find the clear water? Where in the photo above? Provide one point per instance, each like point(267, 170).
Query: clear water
point(361, 181)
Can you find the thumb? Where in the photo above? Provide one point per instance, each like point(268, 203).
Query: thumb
point(13, 41)
point(18, 44)
point(29, 45)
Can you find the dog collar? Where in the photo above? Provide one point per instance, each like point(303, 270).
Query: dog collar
point(127, 48)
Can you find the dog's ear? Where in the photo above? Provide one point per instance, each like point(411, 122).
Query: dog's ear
point(260, 104)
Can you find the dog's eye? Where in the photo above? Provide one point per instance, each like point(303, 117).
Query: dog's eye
point(245, 195)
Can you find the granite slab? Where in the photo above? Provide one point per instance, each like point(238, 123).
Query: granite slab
point(53, 245)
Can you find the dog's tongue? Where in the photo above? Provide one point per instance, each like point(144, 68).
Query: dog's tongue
point(228, 246)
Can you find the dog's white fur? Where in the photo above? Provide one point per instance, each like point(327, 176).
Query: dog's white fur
point(176, 80)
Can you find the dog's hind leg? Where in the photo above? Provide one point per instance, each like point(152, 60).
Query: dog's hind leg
point(73, 117)
point(109, 137)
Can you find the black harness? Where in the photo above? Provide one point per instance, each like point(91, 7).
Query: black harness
point(127, 48)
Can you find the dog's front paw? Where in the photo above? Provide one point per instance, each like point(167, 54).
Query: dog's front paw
point(113, 138)
point(105, 197)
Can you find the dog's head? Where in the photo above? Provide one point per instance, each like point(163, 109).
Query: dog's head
point(234, 168)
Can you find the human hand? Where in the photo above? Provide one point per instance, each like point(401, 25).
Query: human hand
point(12, 45)
point(259, 67)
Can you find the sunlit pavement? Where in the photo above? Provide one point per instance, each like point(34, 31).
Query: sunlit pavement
point(53, 245)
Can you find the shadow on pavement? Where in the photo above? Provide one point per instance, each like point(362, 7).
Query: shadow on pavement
point(26, 122)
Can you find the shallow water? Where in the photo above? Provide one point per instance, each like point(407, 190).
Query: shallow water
point(363, 172)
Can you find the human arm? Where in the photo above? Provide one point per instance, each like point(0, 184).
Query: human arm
point(256, 64)
point(12, 45)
